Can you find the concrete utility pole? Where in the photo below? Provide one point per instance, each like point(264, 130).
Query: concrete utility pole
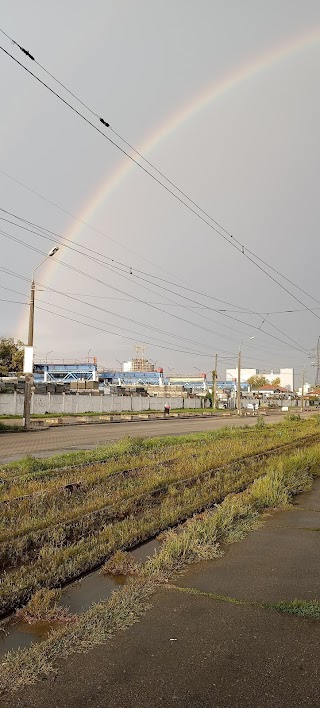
point(302, 389)
point(29, 369)
point(214, 382)
point(317, 381)
point(29, 377)
point(239, 383)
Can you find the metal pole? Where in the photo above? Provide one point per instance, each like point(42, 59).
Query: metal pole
point(214, 382)
point(239, 387)
point(29, 377)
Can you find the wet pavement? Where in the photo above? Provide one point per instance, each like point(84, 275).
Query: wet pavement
point(77, 597)
point(194, 651)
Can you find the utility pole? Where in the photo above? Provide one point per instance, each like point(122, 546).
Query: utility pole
point(28, 362)
point(317, 381)
point(214, 382)
point(239, 385)
point(302, 390)
point(29, 377)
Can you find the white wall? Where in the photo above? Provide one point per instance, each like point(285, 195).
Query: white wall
point(286, 376)
point(12, 403)
point(244, 374)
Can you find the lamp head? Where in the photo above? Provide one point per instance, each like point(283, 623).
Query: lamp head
point(53, 251)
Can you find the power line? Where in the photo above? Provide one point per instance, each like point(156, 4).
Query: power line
point(154, 284)
point(156, 169)
point(14, 274)
point(109, 324)
point(13, 238)
point(226, 235)
point(128, 267)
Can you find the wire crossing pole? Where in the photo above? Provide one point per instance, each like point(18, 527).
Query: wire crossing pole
point(29, 377)
point(302, 390)
point(214, 383)
point(317, 381)
point(239, 386)
point(28, 363)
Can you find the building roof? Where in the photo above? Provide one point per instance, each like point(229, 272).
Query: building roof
point(270, 387)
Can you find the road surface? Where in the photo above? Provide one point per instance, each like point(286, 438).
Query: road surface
point(43, 443)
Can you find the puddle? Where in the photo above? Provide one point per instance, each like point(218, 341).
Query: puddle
point(143, 552)
point(15, 634)
point(77, 596)
point(94, 587)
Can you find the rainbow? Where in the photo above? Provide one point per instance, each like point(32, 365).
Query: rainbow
point(189, 111)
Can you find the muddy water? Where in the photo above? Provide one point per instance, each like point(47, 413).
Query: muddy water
point(77, 596)
point(146, 550)
point(15, 634)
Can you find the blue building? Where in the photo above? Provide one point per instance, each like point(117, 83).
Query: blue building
point(132, 378)
point(65, 373)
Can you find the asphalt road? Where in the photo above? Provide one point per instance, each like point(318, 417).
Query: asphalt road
point(43, 443)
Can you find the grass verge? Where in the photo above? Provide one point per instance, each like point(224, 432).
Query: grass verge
point(301, 608)
point(198, 539)
point(128, 445)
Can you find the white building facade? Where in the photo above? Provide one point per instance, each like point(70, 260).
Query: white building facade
point(286, 376)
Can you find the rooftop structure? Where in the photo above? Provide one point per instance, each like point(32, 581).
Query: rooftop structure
point(64, 372)
point(137, 365)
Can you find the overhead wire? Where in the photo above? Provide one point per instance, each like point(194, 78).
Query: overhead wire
point(154, 284)
point(9, 236)
point(230, 355)
point(128, 319)
point(226, 235)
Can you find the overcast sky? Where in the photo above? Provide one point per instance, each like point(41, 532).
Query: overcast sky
point(249, 158)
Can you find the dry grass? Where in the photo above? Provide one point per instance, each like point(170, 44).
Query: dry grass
point(199, 538)
point(121, 563)
point(44, 606)
point(115, 508)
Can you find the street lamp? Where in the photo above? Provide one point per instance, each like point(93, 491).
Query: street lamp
point(47, 354)
point(28, 352)
point(239, 376)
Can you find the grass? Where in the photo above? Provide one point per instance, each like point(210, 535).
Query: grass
point(121, 563)
point(95, 414)
point(199, 538)
point(11, 428)
point(56, 525)
point(300, 608)
point(44, 606)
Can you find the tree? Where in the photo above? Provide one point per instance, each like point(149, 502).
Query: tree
point(11, 356)
point(257, 381)
point(276, 382)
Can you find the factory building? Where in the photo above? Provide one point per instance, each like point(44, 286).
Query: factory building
point(286, 376)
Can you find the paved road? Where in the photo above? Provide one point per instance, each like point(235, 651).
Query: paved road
point(42, 443)
point(194, 651)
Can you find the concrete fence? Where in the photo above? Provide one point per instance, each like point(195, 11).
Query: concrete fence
point(12, 403)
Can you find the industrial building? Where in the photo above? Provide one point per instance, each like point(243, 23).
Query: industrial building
point(65, 372)
point(286, 376)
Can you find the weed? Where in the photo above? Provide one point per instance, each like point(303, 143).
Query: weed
point(121, 563)
point(301, 608)
point(43, 606)
point(198, 538)
point(290, 417)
